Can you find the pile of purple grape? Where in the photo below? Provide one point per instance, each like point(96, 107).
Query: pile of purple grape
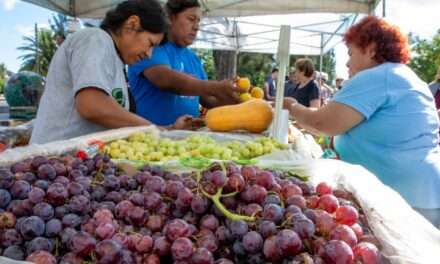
point(69, 210)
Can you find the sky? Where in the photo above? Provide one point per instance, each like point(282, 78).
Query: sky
point(18, 19)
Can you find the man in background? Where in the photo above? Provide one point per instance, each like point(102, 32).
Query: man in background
point(270, 85)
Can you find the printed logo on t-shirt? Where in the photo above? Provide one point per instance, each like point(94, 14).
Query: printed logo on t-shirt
point(118, 95)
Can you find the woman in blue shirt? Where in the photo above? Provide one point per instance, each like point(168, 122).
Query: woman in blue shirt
point(384, 119)
point(173, 82)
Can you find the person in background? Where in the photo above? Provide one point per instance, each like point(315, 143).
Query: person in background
point(384, 118)
point(291, 84)
point(86, 89)
point(173, 81)
point(434, 86)
point(270, 85)
point(338, 82)
point(325, 91)
point(307, 91)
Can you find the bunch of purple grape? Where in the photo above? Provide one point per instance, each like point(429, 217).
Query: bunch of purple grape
point(68, 210)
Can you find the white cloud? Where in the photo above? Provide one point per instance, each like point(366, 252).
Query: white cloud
point(9, 4)
point(27, 30)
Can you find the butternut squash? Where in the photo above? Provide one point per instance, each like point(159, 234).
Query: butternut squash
point(254, 116)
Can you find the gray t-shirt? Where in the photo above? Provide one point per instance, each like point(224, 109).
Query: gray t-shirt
point(88, 58)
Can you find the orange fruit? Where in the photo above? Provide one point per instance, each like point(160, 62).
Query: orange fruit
point(243, 84)
point(257, 92)
point(245, 97)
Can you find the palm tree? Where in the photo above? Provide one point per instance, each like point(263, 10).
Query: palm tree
point(39, 51)
point(58, 24)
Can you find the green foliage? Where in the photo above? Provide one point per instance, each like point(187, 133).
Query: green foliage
point(39, 51)
point(208, 62)
point(255, 66)
point(426, 56)
point(58, 24)
point(3, 71)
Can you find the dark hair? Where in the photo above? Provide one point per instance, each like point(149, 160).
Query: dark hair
point(151, 14)
point(275, 70)
point(175, 7)
point(391, 43)
point(305, 66)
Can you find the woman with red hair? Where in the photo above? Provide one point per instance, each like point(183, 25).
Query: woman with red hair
point(385, 118)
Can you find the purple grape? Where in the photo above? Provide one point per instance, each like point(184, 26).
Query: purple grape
point(36, 195)
point(57, 194)
point(184, 197)
point(199, 204)
point(44, 210)
point(38, 161)
point(238, 228)
point(252, 242)
point(14, 252)
point(28, 176)
point(60, 169)
point(152, 200)
point(61, 211)
point(5, 198)
point(71, 258)
point(137, 199)
point(98, 193)
point(71, 220)
point(289, 243)
point(161, 246)
point(79, 204)
point(37, 244)
point(10, 237)
point(42, 184)
point(47, 172)
point(142, 177)
point(273, 212)
point(32, 227)
point(82, 244)
point(108, 251)
point(209, 222)
point(304, 228)
point(176, 228)
point(53, 228)
point(111, 183)
point(182, 248)
point(63, 180)
point(114, 196)
point(75, 174)
point(172, 188)
point(67, 234)
point(20, 190)
point(202, 256)
point(21, 167)
point(267, 229)
point(155, 184)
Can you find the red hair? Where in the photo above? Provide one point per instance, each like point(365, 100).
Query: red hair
point(391, 43)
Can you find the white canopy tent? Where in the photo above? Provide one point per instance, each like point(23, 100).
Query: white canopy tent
point(246, 25)
point(220, 8)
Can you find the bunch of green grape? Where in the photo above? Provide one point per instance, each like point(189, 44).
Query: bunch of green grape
point(147, 147)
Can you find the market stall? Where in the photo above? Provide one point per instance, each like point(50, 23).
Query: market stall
point(412, 240)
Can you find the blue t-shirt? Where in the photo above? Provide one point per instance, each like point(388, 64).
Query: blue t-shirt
point(398, 139)
point(159, 106)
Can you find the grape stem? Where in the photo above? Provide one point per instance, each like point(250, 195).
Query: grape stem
point(216, 200)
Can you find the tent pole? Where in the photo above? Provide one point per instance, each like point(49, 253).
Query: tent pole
point(383, 8)
point(321, 57)
point(278, 124)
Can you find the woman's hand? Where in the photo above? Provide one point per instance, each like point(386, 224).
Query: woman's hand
point(187, 122)
point(288, 102)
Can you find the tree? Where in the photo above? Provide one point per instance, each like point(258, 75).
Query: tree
point(58, 24)
point(3, 72)
point(206, 56)
point(39, 51)
point(255, 66)
point(226, 63)
point(426, 56)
